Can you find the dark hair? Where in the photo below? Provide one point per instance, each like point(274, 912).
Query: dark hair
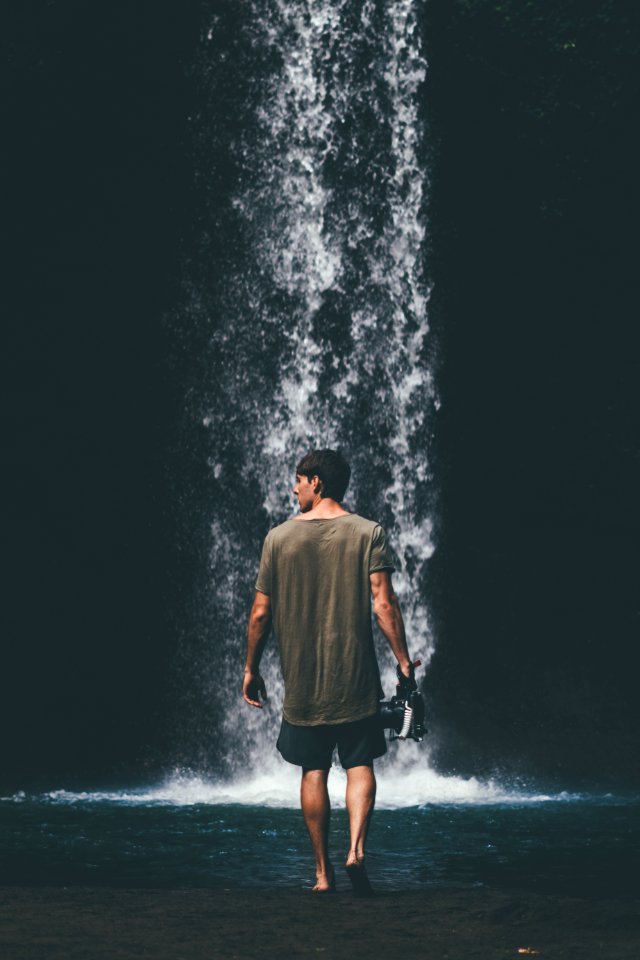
point(331, 467)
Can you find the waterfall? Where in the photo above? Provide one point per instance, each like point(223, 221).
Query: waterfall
point(321, 335)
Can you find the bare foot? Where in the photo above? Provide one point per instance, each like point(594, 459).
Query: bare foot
point(325, 882)
point(357, 873)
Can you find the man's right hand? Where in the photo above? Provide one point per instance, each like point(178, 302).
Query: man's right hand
point(252, 688)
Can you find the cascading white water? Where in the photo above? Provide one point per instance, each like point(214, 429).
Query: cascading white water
point(324, 337)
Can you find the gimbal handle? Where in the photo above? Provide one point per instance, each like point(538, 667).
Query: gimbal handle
point(410, 681)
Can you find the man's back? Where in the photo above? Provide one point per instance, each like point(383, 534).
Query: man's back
point(316, 573)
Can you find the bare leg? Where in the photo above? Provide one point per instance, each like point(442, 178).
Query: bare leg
point(361, 795)
point(314, 799)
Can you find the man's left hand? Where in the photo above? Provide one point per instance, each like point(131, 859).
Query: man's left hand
point(252, 688)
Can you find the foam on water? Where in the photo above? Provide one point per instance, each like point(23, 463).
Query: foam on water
point(279, 788)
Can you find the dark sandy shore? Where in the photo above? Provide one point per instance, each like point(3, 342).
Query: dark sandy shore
point(92, 923)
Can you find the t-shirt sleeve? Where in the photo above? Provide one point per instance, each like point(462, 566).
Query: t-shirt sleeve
point(263, 581)
point(380, 557)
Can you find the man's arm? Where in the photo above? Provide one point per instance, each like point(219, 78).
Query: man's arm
point(259, 624)
point(386, 610)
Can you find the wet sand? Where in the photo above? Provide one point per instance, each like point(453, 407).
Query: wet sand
point(96, 923)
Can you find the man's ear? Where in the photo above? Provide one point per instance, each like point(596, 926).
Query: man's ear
point(316, 483)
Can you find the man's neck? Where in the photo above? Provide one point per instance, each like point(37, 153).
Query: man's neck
point(324, 509)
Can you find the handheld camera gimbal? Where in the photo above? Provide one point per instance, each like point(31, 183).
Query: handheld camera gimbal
point(404, 713)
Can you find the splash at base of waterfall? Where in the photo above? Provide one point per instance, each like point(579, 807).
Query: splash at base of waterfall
point(278, 786)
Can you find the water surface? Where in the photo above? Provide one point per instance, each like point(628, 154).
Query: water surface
point(190, 832)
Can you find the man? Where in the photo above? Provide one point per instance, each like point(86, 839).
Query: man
point(317, 574)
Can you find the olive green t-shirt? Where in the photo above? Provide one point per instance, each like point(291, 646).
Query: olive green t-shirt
point(316, 573)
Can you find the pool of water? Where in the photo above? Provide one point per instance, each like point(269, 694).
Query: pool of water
point(188, 832)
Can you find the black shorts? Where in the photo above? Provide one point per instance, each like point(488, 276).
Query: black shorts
point(358, 743)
